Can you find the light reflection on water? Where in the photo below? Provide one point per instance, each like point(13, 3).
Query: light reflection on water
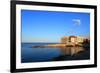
point(71, 50)
point(29, 54)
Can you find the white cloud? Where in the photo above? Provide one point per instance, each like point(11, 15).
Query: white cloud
point(77, 21)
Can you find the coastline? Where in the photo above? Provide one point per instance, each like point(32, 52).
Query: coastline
point(61, 45)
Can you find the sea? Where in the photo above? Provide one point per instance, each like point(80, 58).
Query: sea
point(30, 54)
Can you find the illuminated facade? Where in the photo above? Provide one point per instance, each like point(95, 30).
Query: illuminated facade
point(72, 39)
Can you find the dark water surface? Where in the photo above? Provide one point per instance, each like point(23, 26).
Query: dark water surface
point(30, 54)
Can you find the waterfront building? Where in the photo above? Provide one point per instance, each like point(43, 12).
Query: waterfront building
point(72, 39)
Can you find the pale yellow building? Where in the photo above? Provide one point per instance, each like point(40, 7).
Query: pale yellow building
point(65, 39)
point(80, 39)
point(72, 39)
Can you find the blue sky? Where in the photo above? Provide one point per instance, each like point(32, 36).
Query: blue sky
point(50, 26)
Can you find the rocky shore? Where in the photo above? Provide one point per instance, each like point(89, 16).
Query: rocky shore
point(60, 45)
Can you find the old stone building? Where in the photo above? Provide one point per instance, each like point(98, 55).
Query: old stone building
point(72, 39)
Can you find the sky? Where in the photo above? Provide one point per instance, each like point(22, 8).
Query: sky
point(51, 26)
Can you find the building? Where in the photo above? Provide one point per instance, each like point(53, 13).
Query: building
point(80, 39)
point(72, 39)
point(65, 39)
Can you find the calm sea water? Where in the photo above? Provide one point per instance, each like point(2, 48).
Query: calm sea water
point(30, 54)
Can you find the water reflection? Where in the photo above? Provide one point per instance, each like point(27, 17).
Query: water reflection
point(71, 50)
point(43, 53)
point(73, 53)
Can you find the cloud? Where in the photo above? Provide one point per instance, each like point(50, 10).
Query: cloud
point(77, 21)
